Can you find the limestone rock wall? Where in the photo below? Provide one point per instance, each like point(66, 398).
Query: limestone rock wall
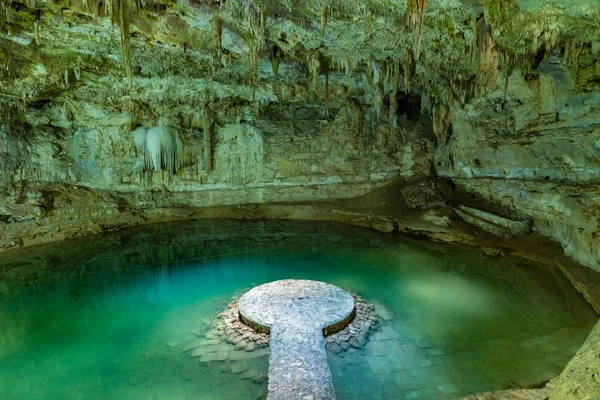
point(277, 101)
point(257, 155)
point(536, 152)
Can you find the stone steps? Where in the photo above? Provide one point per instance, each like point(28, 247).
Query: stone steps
point(494, 223)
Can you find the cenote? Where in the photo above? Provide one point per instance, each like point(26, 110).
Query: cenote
point(112, 316)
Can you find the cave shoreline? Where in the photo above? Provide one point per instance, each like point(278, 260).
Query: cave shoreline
point(379, 209)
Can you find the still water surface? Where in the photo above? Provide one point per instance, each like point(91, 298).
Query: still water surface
point(109, 317)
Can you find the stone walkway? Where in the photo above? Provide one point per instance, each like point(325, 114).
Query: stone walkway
point(297, 313)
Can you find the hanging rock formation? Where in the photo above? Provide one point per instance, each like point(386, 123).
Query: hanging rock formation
point(270, 100)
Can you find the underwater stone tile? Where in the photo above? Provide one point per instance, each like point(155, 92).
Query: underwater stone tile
point(422, 344)
point(251, 374)
point(524, 377)
point(433, 352)
point(394, 347)
point(387, 329)
point(527, 344)
point(406, 380)
point(383, 312)
point(220, 348)
point(412, 356)
point(549, 348)
point(408, 347)
point(440, 379)
point(541, 340)
point(401, 365)
point(220, 356)
point(247, 355)
point(237, 367)
point(429, 393)
point(447, 388)
point(403, 340)
point(191, 346)
point(378, 365)
point(572, 350)
point(381, 348)
point(392, 358)
point(424, 363)
point(386, 333)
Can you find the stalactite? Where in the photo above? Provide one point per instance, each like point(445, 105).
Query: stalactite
point(161, 147)
point(77, 68)
point(314, 64)
point(487, 59)
point(36, 26)
point(108, 4)
point(254, 70)
point(386, 67)
point(326, 94)
point(140, 141)
point(324, 19)
point(393, 112)
point(573, 51)
point(411, 14)
point(263, 18)
point(415, 18)
point(507, 72)
point(6, 5)
point(377, 86)
point(207, 125)
point(119, 12)
point(217, 32)
point(256, 21)
point(358, 115)
point(422, 5)
point(441, 114)
point(276, 54)
point(408, 65)
point(348, 65)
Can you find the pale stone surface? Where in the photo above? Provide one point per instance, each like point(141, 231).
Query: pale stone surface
point(296, 312)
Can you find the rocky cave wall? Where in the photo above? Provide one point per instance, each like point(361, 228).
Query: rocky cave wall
point(289, 100)
point(535, 151)
point(291, 154)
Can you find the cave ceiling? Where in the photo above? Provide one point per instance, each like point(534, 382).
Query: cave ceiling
point(201, 51)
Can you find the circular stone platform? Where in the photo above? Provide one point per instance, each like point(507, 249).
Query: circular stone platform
point(297, 313)
point(293, 301)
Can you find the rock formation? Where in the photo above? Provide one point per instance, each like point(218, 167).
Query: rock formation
point(289, 97)
point(492, 103)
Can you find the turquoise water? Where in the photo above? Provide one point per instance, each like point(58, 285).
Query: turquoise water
point(110, 317)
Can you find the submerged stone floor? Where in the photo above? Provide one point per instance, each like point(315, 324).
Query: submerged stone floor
point(296, 313)
point(447, 372)
point(394, 365)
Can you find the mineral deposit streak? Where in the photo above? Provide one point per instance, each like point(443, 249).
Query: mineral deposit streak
point(297, 314)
